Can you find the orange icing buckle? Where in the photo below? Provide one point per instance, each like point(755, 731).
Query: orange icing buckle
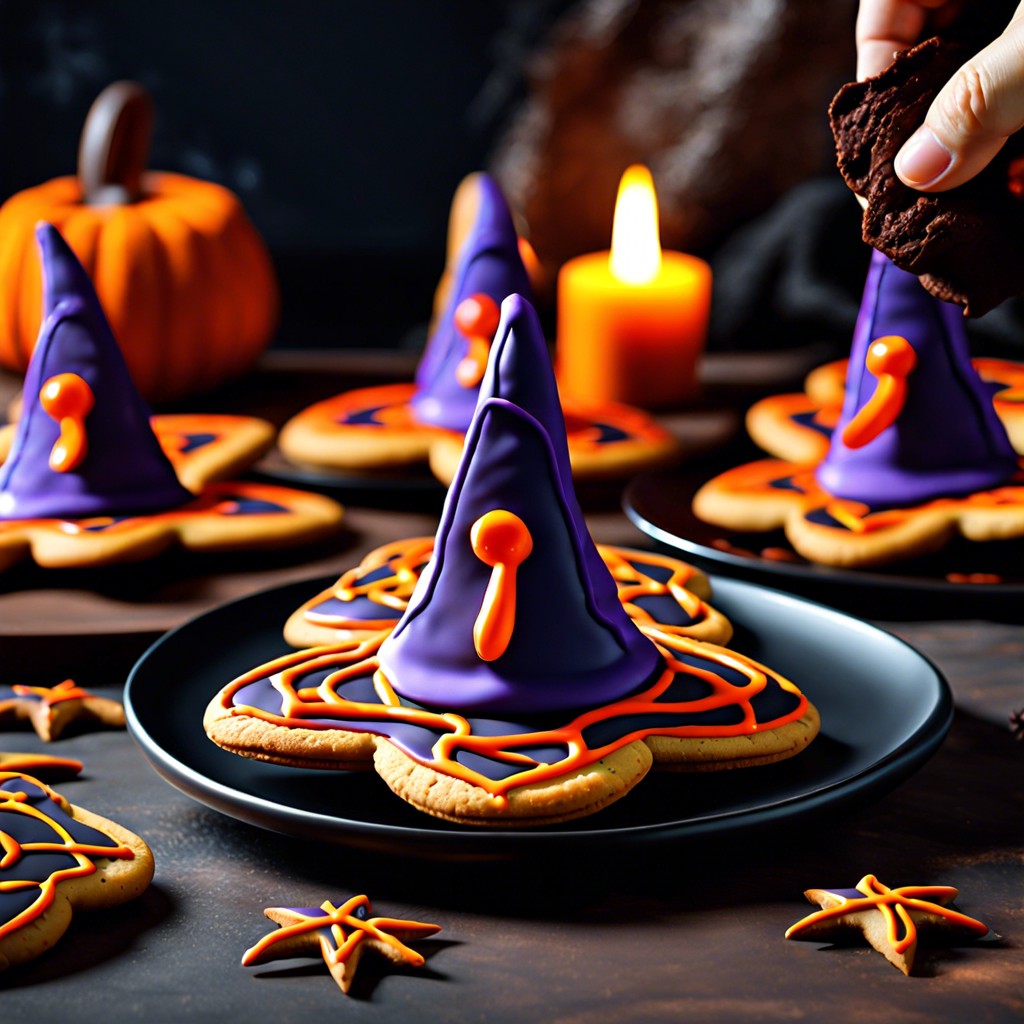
point(501, 540)
point(69, 400)
point(477, 318)
point(890, 359)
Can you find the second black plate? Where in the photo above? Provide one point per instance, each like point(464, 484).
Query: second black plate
point(936, 585)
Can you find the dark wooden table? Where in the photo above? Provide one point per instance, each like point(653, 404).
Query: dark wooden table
point(690, 931)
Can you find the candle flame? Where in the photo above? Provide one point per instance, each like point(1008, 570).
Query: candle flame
point(636, 250)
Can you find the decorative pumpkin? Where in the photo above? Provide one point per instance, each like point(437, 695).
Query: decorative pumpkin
point(181, 273)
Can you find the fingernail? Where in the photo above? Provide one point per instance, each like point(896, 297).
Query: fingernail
point(923, 159)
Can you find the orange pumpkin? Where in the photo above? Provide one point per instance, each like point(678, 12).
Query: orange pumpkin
point(182, 275)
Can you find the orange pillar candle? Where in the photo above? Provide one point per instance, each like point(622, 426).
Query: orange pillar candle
point(632, 321)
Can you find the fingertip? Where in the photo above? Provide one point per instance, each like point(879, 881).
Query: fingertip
point(923, 160)
point(928, 164)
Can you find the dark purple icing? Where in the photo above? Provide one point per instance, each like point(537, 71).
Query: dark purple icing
point(239, 505)
point(811, 422)
point(366, 417)
point(25, 828)
point(573, 645)
point(9, 693)
point(125, 470)
point(359, 607)
point(193, 442)
point(663, 608)
point(489, 263)
point(360, 913)
point(948, 440)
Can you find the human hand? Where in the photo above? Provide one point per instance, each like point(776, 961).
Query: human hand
point(974, 113)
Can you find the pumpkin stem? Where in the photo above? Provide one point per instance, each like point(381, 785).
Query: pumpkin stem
point(114, 148)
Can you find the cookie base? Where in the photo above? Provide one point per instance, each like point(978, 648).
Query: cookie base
point(574, 795)
point(714, 753)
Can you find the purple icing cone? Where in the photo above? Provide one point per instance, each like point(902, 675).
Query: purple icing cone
point(947, 440)
point(573, 646)
point(489, 263)
point(124, 470)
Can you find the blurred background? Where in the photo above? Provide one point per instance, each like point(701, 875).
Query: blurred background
point(344, 127)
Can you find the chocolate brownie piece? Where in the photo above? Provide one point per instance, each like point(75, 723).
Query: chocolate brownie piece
point(966, 244)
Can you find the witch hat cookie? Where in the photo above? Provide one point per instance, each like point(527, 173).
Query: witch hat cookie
point(83, 445)
point(916, 452)
point(515, 689)
point(397, 426)
point(917, 421)
point(489, 268)
point(513, 530)
point(89, 480)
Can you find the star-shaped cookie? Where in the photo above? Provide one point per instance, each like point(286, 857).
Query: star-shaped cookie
point(340, 934)
point(51, 708)
point(890, 920)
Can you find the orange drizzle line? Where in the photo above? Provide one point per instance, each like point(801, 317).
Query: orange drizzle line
point(895, 904)
point(500, 539)
point(404, 558)
point(633, 583)
point(68, 399)
point(173, 441)
point(867, 522)
point(407, 558)
point(392, 399)
point(1007, 376)
point(68, 690)
point(843, 513)
point(324, 702)
point(12, 851)
point(584, 435)
point(337, 920)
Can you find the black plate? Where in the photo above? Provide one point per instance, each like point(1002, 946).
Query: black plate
point(884, 709)
point(660, 505)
